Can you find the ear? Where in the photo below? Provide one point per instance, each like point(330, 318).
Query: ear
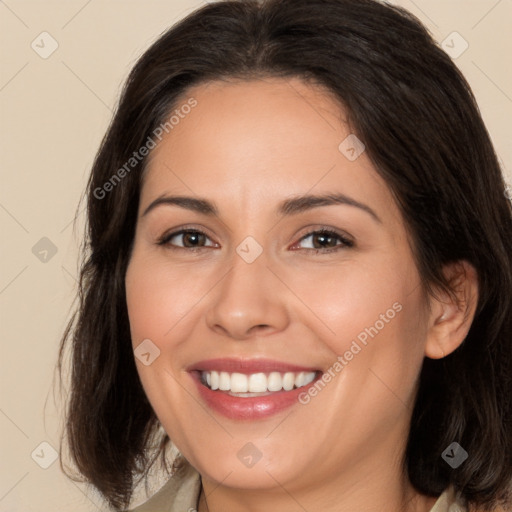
point(451, 316)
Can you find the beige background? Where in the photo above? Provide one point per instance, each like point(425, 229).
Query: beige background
point(54, 112)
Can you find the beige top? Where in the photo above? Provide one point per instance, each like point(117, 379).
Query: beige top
point(181, 494)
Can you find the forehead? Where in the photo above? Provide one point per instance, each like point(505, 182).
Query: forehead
point(266, 115)
point(257, 139)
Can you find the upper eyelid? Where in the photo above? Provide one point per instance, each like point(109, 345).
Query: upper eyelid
point(346, 240)
point(325, 229)
point(171, 234)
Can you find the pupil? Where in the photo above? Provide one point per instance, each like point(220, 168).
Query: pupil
point(192, 239)
point(324, 241)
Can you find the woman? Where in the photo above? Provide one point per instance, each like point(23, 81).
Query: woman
point(299, 265)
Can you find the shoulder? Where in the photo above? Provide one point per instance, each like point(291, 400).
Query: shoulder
point(179, 494)
point(449, 501)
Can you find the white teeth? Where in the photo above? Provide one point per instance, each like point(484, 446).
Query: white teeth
point(288, 381)
point(256, 382)
point(214, 378)
point(275, 382)
point(239, 383)
point(224, 381)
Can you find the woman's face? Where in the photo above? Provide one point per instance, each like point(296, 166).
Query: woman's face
point(294, 265)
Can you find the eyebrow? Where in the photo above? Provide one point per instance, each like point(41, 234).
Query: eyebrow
point(288, 207)
point(302, 203)
point(190, 203)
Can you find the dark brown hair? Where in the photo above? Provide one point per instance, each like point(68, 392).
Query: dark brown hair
point(420, 124)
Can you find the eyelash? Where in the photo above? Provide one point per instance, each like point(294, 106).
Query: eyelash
point(345, 242)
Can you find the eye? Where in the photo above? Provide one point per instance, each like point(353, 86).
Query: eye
point(324, 240)
point(186, 239)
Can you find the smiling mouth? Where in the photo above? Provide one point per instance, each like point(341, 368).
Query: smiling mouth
point(243, 385)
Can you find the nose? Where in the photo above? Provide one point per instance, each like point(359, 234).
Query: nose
point(248, 301)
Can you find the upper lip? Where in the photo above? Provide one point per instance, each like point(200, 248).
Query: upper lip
point(248, 366)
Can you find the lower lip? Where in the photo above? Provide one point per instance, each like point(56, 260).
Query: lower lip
point(250, 408)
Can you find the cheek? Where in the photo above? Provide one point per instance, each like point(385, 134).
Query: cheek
point(369, 317)
point(163, 302)
point(160, 297)
point(360, 301)
point(155, 306)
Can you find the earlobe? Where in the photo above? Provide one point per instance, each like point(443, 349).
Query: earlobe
point(451, 315)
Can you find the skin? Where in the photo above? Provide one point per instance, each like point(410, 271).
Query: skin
point(246, 147)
